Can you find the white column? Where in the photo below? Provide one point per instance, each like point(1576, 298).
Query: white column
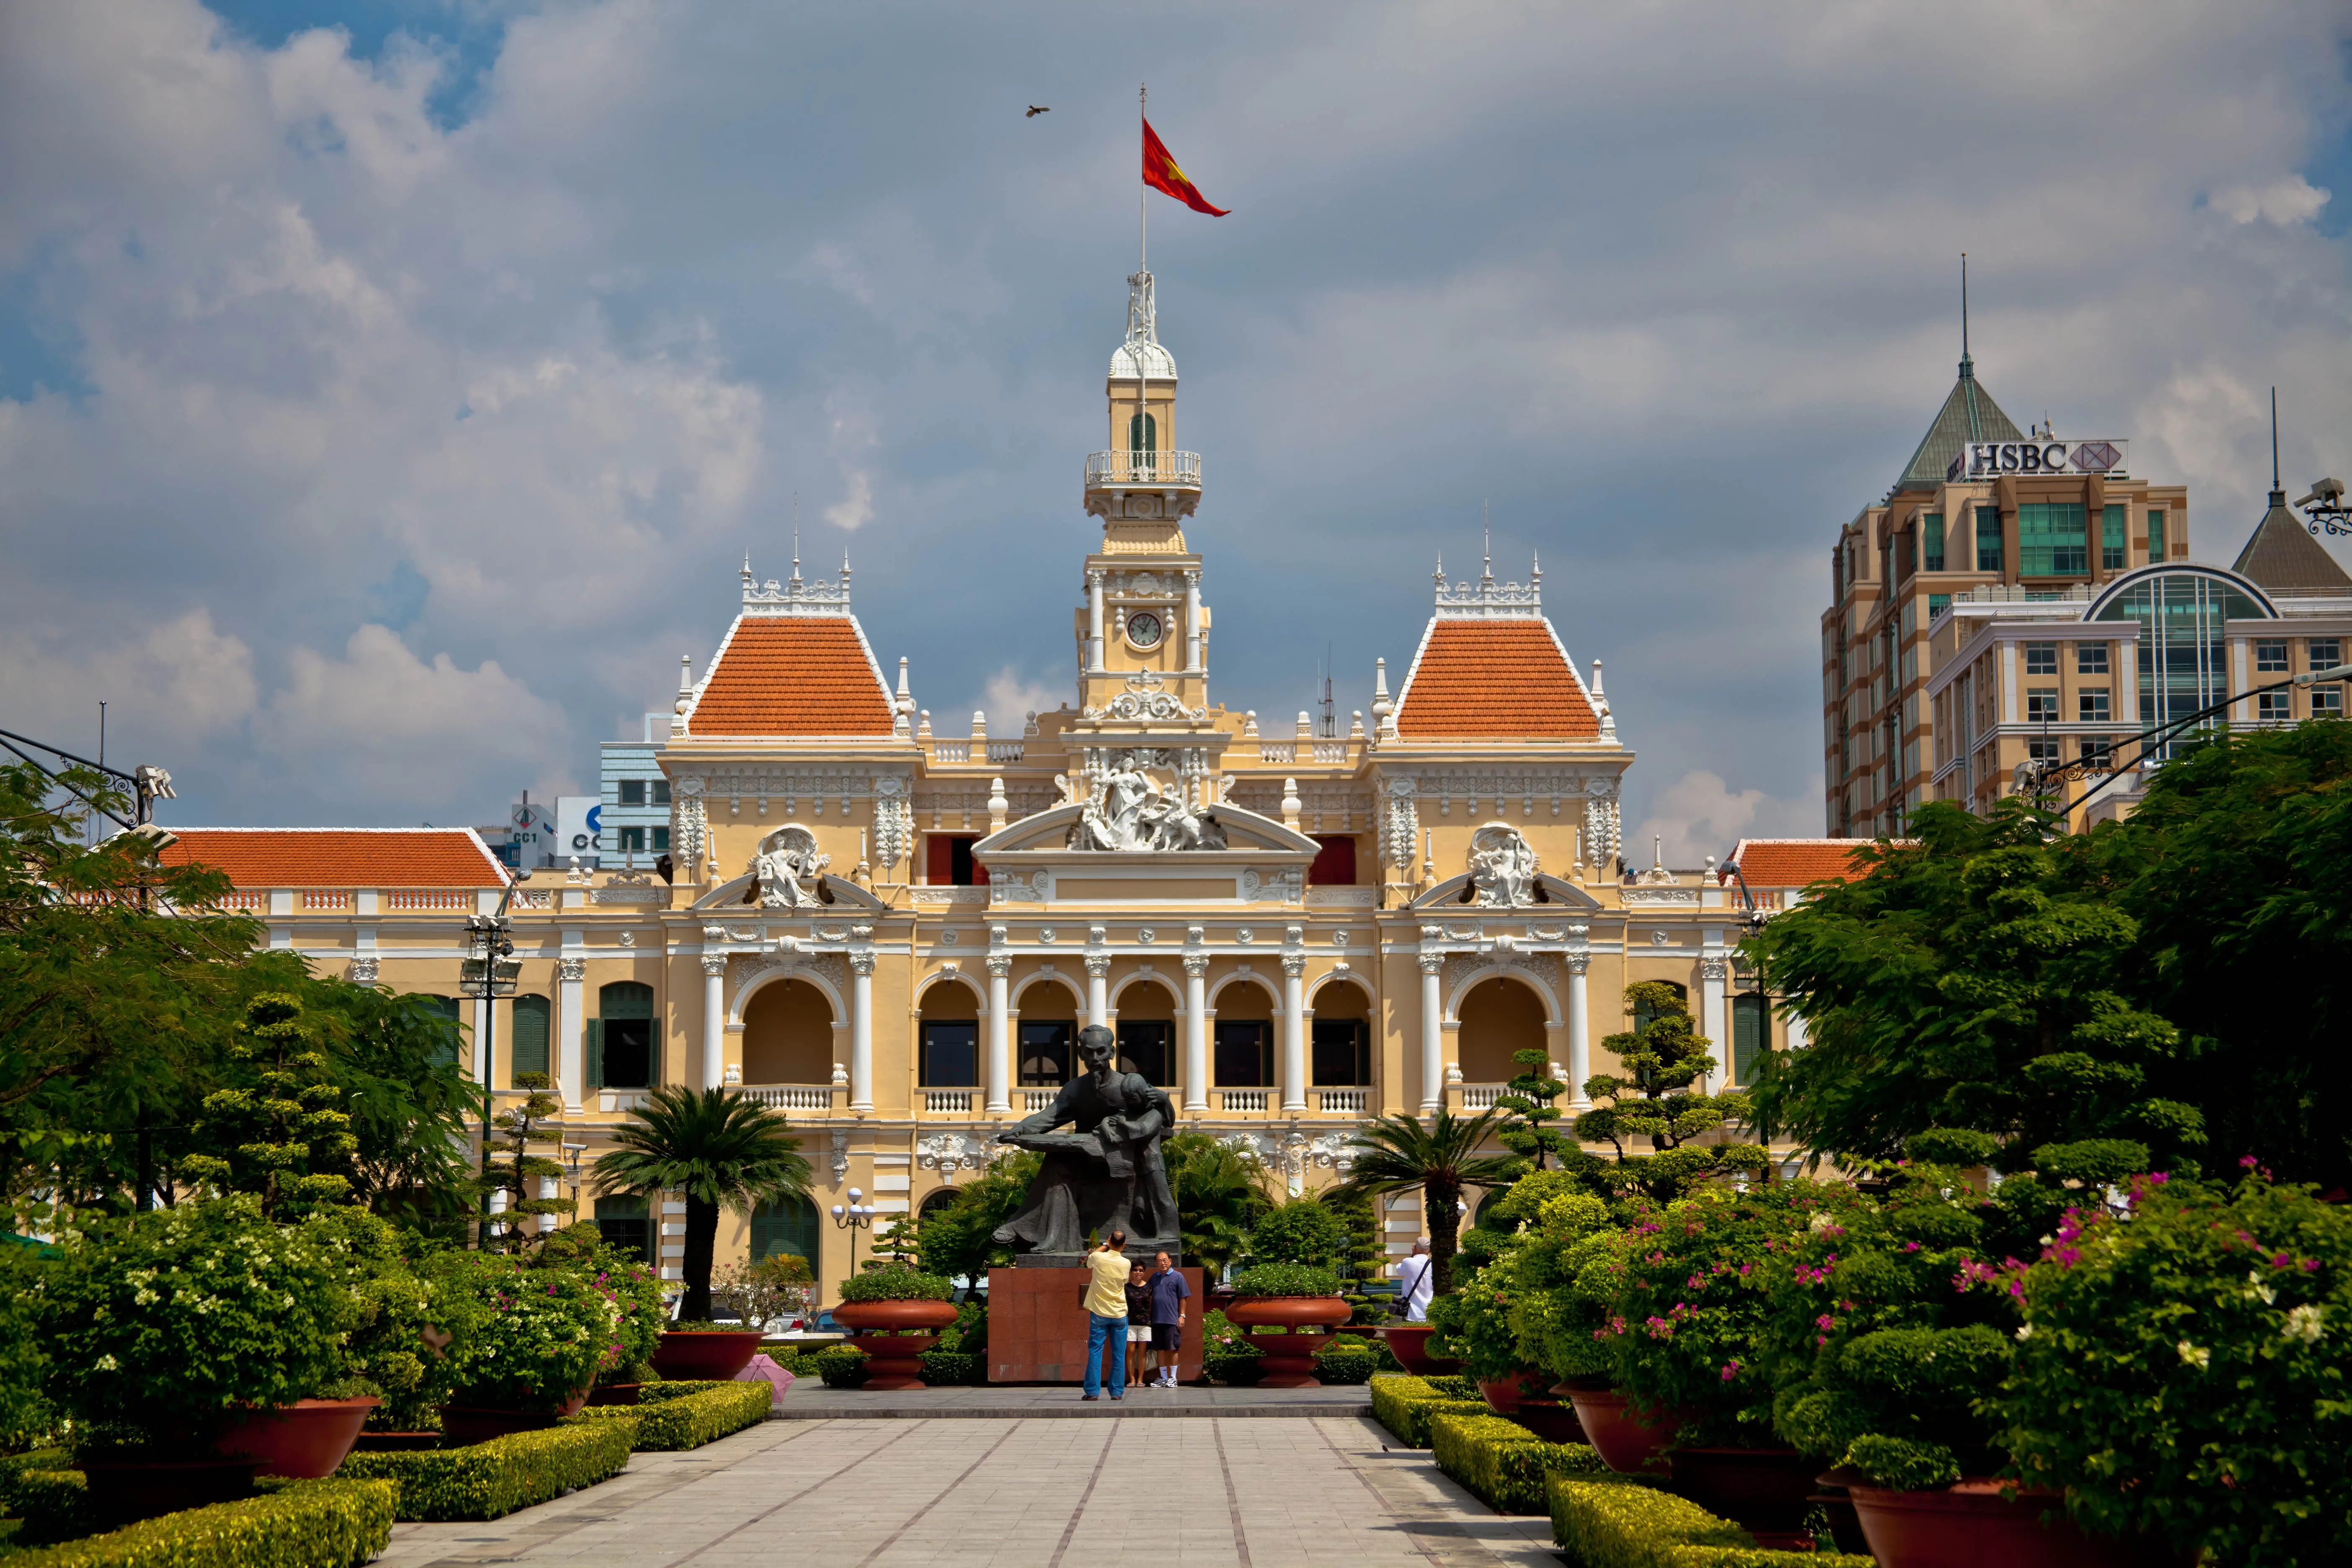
point(573, 1067)
point(1196, 1031)
point(1098, 990)
point(1192, 620)
point(481, 1039)
point(1294, 1031)
point(1000, 1033)
point(714, 1019)
point(861, 1031)
point(1580, 1033)
point(1432, 1033)
point(1094, 620)
point(1711, 974)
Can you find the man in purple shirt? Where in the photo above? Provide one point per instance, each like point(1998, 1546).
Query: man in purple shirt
point(1169, 1294)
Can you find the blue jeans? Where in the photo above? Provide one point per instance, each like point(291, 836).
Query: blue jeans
point(1106, 1333)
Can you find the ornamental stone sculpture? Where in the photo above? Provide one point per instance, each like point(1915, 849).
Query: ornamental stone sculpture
point(1502, 866)
point(1127, 810)
point(788, 872)
point(1105, 1175)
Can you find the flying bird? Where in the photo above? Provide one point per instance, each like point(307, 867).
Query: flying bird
point(1037, 109)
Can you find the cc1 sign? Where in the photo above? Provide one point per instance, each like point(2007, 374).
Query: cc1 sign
point(1990, 460)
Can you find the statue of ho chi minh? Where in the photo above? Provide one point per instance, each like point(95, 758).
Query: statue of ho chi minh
point(1106, 1174)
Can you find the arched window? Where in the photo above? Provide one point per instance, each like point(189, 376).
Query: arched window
point(1245, 1037)
point(1143, 433)
point(1342, 1039)
point(1498, 1017)
point(1147, 1031)
point(531, 1014)
point(789, 1226)
point(621, 1038)
point(936, 1201)
point(950, 1038)
point(1049, 1026)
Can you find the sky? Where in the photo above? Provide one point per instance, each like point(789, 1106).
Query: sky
point(391, 389)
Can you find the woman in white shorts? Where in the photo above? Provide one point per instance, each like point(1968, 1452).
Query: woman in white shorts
point(1139, 1326)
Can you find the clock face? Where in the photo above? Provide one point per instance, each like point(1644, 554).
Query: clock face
point(1143, 629)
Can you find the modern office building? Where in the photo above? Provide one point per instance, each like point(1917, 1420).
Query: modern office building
point(633, 817)
point(1983, 514)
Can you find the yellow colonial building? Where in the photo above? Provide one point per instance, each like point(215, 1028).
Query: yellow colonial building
point(892, 933)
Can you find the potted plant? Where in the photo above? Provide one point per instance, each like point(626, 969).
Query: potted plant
point(1440, 1162)
point(1227, 1354)
point(2196, 1327)
point(1291, 1308)
point(527, 1343)
point(900, 1310)
point(718, 1150)
point(162, 1329)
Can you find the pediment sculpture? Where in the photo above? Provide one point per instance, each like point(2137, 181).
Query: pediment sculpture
point(1129, 810)
point(1502, 866)
point(788, 870)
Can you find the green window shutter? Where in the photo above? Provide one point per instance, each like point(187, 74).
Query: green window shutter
point(595, 1073)
point(624, 999)
point(1143, 433)
point(1748, 1035)
point(531, 1031)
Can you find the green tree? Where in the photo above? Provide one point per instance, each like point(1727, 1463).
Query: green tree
point(721, 1151)
point(1652, 1098)
point(959, 1239)
point(1440, 1162)
point(1978, 977)
point(2237, 867)
point(1303, 1230)
point(515, 1170)
point(282, 1137)
point(1530, 1104)
point(1220, 1193)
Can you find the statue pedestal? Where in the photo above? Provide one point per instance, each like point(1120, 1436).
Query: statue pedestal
point(1037, 1329)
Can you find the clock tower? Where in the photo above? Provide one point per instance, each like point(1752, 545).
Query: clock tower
point(1143, 635)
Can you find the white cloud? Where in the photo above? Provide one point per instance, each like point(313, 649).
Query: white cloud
point(1009, 701)
point(1699, 815)
point(181, 685)
point(2291, 200)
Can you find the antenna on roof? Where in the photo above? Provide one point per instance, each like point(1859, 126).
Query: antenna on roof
point(1331, 715)
point(796, 536)
point(1486, 522)
point(1966, 367)
point(2278, 490)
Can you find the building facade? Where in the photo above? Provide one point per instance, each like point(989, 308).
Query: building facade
point(892, 932)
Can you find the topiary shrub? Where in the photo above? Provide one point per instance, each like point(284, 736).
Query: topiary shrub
point(896, 1282)
point(953, 1369)
point(1347, 1360)
point(1302, 1231)
point(1285, 1279)
point(840, 1366)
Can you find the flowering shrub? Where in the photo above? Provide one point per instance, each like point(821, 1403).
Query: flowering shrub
point(2185, 1373)
point(1569, 1268)
point(896, 1282)
point(159, 1325)
point(531, 1339)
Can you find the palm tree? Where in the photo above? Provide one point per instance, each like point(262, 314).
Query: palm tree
point(717, 1148)
point(1398, 1154)
point(1218, 1197)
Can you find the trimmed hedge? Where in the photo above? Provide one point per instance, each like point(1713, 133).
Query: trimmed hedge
point(1345, 1361)
point(1623, 1524)
point(332, 1523)
point(840, 1366)
point(14, 1467)
point(1404, 1405)
point(488, 1480)
point(1457, 1385)
point(703, 1414)
point(1505, 1464)
point(953, 1369)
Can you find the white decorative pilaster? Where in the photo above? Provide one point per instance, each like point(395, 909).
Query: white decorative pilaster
point(1580, 1032)
point(1192, 620)
point(1432, 1033)
point(1294, 1031)
point(1093, 619)
point(572, 1069)
point(1196, 1031)
point(999, 1032)
point(1712, 971)
point(1098, 989)
point(714, 1019)
point(861, 1031)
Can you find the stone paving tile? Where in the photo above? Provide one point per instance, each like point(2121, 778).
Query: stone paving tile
point(1213, 1492)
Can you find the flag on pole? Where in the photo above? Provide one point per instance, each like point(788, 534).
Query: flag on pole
point(1161, 172)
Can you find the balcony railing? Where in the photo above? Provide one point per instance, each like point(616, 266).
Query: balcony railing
point(1034, 1100)
point(1243, 1098)
point(1482, 1096)
point(1146, 470)
point(1342, 1101)
point(949, 1100)
point(792, 1096)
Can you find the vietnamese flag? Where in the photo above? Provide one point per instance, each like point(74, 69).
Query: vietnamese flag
point(1161, 172)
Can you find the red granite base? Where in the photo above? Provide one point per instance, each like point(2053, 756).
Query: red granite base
point(1037, 1330)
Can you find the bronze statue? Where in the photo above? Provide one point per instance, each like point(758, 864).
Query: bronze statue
point(1108, 1175)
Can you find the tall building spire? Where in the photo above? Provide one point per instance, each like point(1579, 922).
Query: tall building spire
point(1968, 365)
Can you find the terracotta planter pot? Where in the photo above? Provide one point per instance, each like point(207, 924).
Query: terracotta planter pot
point(711, 1357)
point(1503, 1394)
point(1409, 1343)
point(1763, 1489)
point(892, 1359)
point(462, 1425)
point(616, 1392)
point(1970, 1524)
point(127, 1489)
point(1626, 1443)
point(1287, 1360)
point(304, 1441)
point(1845, 1525)
point(1553, 1420)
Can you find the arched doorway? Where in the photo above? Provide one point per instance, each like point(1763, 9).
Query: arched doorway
point(1343, 1037)
point(790, 1226)
point(788, 1034)
point(621, 1038)
point(1245, 1037)
point(1049, 1028)
point(1498, 1017)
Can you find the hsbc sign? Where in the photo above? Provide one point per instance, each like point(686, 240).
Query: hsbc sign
point(1990, 460)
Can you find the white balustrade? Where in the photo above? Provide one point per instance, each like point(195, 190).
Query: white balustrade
point(951, 751)
point(1034, 1100)
point(1242, 1098)
point(1330, 751)
point(938, 1100)
point(622, 1100)
point(792, 1095)
point(1277, 750)
point(429, 899)
point(1144, 467)
point(327, 899)
point(1347, 1101)
point(1004, 751)
point(1482, 1096)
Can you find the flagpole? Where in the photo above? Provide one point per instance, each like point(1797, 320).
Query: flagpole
point(1143, 234)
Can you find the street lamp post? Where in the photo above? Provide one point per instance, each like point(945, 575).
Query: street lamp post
point(853, 1218)
point(488, 972)
point(571, 1153)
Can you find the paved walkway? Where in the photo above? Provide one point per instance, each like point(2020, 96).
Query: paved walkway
point(811, 1401)
point(1015, 1493)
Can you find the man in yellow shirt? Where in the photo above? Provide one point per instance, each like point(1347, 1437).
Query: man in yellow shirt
point(1105, 1304)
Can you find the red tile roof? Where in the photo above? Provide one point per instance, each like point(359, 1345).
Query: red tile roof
point(1797, 862)
point(792, 675)
point(1480, 680)
point(340, 856)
